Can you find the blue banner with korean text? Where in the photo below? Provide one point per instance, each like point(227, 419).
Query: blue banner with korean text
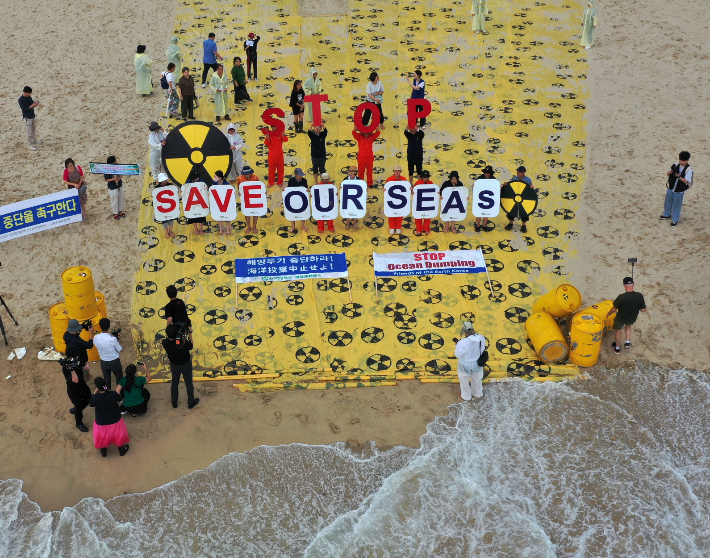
point(291, 268)
point(39, 214)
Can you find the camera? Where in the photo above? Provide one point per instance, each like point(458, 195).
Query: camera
point(183, 334)
point(115, 332)
point(70, 363)
point(86, 325)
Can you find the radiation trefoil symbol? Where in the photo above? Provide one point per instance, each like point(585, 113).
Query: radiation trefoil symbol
point(196, 146)
point(518, 200)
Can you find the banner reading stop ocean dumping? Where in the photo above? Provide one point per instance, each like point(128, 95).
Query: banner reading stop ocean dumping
point(428, 263)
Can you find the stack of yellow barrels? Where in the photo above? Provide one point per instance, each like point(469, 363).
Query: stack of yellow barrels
point(82, 302)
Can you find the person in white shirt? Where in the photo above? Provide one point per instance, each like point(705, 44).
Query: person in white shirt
point(468, 349)
point(375, 94)
point(109, 348)
point(236, 143)
point(156, 141)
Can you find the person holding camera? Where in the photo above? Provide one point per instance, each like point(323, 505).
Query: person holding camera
point(178, 351)
point(28, 115)
point(469, 351)
point(77, 390)
point(175, 310)
point(680, 178)
point(418, 92)
point(135, 395)
point(109, 348)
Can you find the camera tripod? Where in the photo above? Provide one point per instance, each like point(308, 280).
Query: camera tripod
point(2, 327)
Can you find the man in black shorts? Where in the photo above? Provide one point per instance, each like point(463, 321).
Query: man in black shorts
point(627, 307)
point(318, 152)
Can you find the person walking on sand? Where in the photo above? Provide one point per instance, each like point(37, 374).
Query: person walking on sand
point(627, 307)
point(173, 53)
point(209, 57)
point(680, 178)
point(589, 24)
point(479, 10)
point(468, 350)
point(109, 426)
point(219, 84)
point(312, 86)
point(144, 82)
point(275, 143)
point(156, 141)
point(28, 115)
point(225, 227)
point(115, 190)
point(365, 155)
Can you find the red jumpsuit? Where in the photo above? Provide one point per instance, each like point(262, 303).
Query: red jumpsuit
point(394, 222)
point(276, 157)
point(422, 225)
point(322, 222)
point(365, 157)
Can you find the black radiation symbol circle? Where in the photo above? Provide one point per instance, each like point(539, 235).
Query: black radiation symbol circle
point(215, 317)
point(294, 329)
point(553, 253)
point(222, 291)
point(296, 286)
point(146, 288)
point(296, 249)
point(437, 366)
point(146, 312)
point(339, 285)
point(341, 240)
point(338, 365)
point(409, 286)
point(427, 246)
point(248, 241)
point(196, 145)
point(185, 284)
point(149, 242)
point(517, 315)
point(494, 266)
point(243, 315)
point(431, 341)
point(398, 240)
point(285, 232)
point(374, 222)
point(352, 310)
point(330, 317)
point(294, 300)
point(372, 335)
point(521, 290)
point(405, 321)
point(340, 338)
point(379, 362)
point(395, 308)
point(548, 232)
point(431, 296)
point(405, 364)
point(519, 369)
point(250, 293)
point(518, 200)
point(508, 346)
point(215, 249)
point(208, 269)
point(528, 266)
point(386, 284)
point(237, 367)
point(252, 340)
point(225, 343)
point(406, 337)
point(228, 267)
point(307, 355)
point(469, 292)
point(153, 266)
point(442, 320)
point(459, 245)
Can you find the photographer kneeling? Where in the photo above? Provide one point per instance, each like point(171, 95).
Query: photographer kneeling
point(177, 346)
point(77, 390)
point(135, 395)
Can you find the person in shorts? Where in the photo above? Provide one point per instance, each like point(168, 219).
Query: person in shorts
point(627, 307)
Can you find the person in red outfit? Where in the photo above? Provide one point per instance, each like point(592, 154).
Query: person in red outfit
point(422, 225)
point(365, 157)
point(325, 179)
point(395, 223)
point(276, 157)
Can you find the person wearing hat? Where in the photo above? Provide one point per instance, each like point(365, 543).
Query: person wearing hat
point(395, 223)
point(209, 57)
point(144, 83)
point(319, 155)
point(627, 307)
point(115, 190)
point(250, 46)
point(365, 156)
point(449, 226)
point(415, 150)
point(422, 225)
point(219, 83)
point(275, 143)
point(77, 390)
point(487, 174)
point(297, 180)
point(236, 144)
point(248, 175)
point(186, 86)
point(312, 86)
point(468, 349)
point(519, 177)
point(325, 179)
point(163, 182)
point(156, 141)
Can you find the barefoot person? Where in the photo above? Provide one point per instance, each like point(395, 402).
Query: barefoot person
point(248, 175)
point(163, 182)
point(352, 175)
point(109, 426)
point(467, 352)
point(482, 222)
point(627, 307)
point(298, 180)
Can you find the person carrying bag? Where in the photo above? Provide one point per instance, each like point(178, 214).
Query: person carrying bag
point(472, 356)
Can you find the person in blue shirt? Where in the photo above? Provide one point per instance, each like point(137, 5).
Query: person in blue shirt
point(418, 92)
point(209, 58)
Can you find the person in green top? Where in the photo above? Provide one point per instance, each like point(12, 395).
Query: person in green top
point(135, 396)
point(627, 307)
point(239, 79)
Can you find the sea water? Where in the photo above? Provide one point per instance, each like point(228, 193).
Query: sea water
point(614, 466)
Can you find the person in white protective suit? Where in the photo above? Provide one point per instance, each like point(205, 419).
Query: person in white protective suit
point(468, 349)
point(156, 141)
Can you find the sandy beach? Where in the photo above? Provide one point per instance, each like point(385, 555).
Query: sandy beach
point(648, 101)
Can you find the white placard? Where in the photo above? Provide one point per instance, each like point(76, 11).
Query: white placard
point(39, 214)
point(398, 198)
point(324, 202)
point(486, 198)
point(425, 202)
point(253, 196)
point(454, 203)
point(297, 203)
point(195, 200)
point(166, 203)
point(223, 202)
point(353, 199)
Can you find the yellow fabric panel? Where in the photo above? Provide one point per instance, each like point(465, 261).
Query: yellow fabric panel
point(179, 168)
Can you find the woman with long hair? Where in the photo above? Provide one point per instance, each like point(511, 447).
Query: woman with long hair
point(109, 427)
point(296, 104)
point(74, 178)
point(135, 396)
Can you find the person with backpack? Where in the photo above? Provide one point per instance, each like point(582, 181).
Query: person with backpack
point(680, 178)
point(470, 352)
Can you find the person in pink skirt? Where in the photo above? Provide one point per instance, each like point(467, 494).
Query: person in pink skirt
point(109, 426)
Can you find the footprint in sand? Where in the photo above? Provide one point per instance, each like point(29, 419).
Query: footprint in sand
point(266, 398)
point(354, 421)
point(17, 428)
point(334, 428)
point(276, 420)
point(3, 416)
point(412, 387)
point(303, 418)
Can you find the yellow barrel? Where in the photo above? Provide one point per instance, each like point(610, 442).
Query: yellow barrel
point(58, 322)
point(93, 353)
point(79, 292)
point(101, 303)
point(560, 302)
point(585, 339)
point(546, 337)
point(600, 310)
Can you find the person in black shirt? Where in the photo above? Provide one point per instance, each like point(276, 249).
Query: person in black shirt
point(175, 310)
point(318, 135)
point(488, 173)
point(109, 426)
point(77, 390)
point(180, 365)
point(28, 115)
point(250, 46)
point(415, 151)
point(296, 104)
point(115, 190)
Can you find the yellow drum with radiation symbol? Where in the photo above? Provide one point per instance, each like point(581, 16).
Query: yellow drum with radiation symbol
point(196, 147)
point(585, 339)
point(58, 322)
point(101, 303)
point(79, 292)
point(600, 310)
point(560, 302)
point(546, 337)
